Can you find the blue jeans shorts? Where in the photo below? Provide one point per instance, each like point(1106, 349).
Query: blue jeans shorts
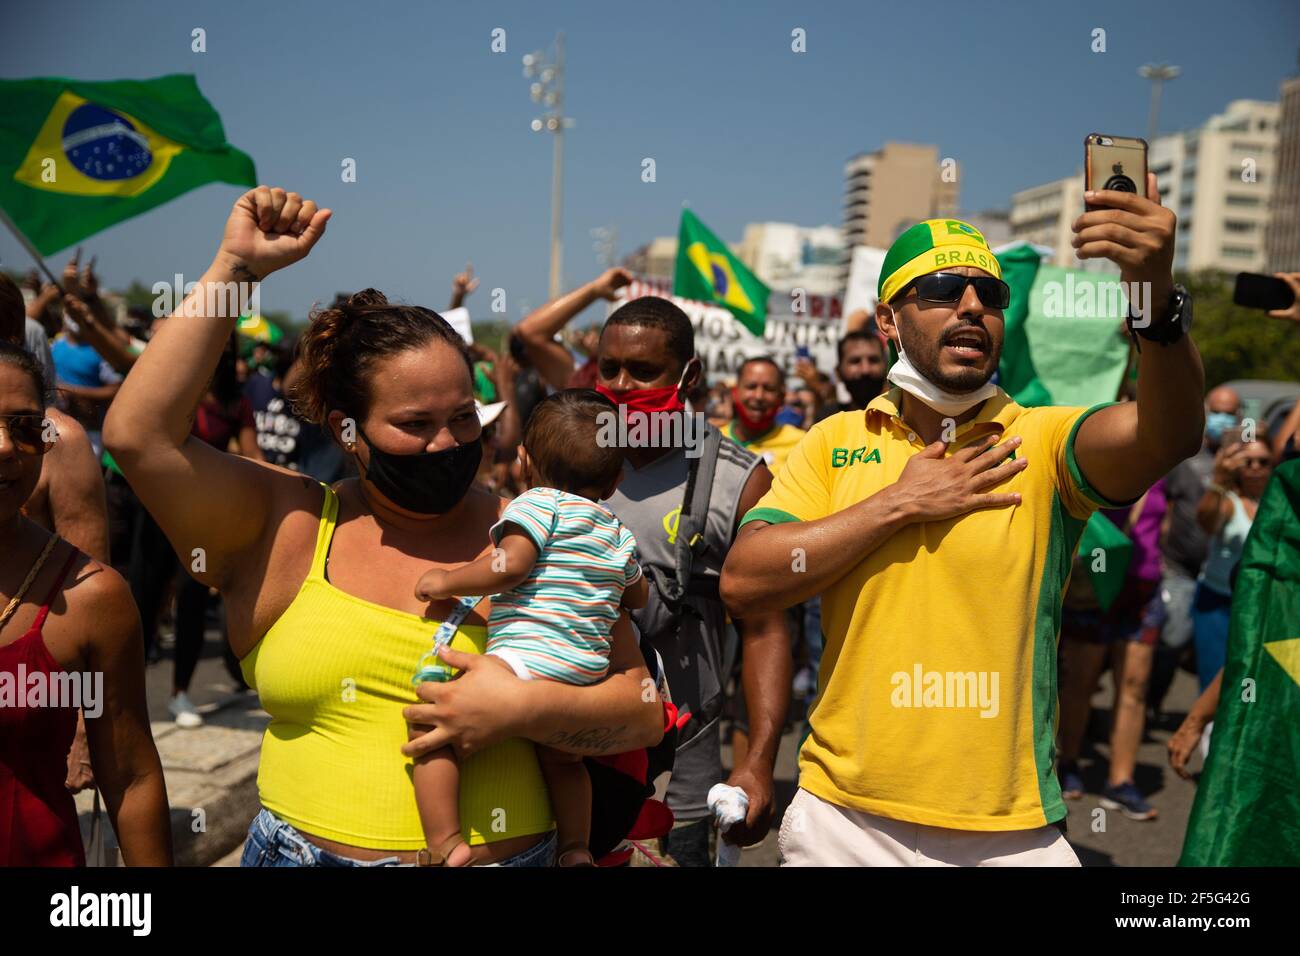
point(272, 842)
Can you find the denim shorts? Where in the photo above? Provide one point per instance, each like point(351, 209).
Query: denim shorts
point(1136, 616)
point(272, 842)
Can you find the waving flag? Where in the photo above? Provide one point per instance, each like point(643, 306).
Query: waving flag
point(1247, 809)
point(1062, 343)
point(77, 157)
point(707, 271)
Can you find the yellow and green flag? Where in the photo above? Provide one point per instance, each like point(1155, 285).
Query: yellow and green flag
point(77, 157)
point(708, 272)
point(257, 328)
point(1247, 808)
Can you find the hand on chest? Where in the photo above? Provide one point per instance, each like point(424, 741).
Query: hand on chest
point(878, 462)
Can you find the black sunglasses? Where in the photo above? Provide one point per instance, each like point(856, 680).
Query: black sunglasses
point(950, 287)
point(27, 432)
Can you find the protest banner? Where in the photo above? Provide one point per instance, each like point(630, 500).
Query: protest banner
point(864, 274)
point(723, 342)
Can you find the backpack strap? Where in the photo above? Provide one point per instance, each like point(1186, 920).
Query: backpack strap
point(693, 519)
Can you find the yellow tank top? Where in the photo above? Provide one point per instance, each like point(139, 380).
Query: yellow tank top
point(334, 673)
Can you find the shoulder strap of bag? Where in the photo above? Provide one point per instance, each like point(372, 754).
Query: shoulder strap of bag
point(694, 519)
point(691, 523)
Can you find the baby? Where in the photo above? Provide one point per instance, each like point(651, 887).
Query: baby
point(561, 567)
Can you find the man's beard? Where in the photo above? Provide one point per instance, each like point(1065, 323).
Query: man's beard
point(925, 358)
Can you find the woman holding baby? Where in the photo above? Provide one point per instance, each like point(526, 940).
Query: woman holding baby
point(319, 582)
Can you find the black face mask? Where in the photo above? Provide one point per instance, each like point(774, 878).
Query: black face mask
point(864, 388)
point(429, 482)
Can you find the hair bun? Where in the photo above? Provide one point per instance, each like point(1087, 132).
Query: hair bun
point(366, 297)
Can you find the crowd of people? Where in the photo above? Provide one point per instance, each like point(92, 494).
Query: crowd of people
point(451, 596)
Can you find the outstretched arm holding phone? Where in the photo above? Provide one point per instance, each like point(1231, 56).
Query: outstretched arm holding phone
point(1124, 449)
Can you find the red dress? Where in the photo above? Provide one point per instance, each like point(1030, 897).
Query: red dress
point(38, 817)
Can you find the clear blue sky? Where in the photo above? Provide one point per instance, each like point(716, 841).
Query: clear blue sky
point(739, 126)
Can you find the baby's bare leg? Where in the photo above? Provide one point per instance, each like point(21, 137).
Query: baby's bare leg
point(436, 777)
point(570, 789)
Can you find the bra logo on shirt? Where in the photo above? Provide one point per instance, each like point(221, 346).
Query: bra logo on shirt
point(670, 523)
point(841, 456)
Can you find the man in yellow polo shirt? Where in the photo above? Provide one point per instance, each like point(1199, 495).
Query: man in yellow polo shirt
point(938, 526)
point(757, 397)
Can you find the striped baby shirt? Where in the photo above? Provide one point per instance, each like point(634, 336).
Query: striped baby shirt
point(557, 623)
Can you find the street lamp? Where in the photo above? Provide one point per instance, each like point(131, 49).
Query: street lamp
point(547, 89)
point(1157, 73)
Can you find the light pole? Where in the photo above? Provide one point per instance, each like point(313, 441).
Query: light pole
point(1157, 73)
point(548, 89)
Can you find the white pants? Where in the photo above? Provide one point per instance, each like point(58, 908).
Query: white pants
point(815, 832)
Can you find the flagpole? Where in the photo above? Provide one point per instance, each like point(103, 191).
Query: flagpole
point(31, 250)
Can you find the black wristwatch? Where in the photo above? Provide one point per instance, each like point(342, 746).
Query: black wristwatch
point(1172, 324)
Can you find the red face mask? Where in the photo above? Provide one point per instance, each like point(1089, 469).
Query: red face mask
point(755, 425)
point(649, 400)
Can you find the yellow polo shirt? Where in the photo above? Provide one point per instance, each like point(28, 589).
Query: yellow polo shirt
point(938, 690)
point(773, 447)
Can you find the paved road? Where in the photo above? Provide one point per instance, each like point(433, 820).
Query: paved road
point(1122, 842)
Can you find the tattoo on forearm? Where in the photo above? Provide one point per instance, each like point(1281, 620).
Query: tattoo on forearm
point(245, 274)
point(596, 740)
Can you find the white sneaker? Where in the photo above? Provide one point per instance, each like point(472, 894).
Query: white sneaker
point(803, 683)
point(183, 709)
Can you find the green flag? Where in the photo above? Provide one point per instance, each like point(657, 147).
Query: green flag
point(1016, 373)
point(1075, 327)
point(1062, 343)
point(1247, 808)
point(707, 271)
point(1106, 570)
point(77, 157)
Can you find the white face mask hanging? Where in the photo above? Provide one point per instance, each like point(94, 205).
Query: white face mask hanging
point(907, 377)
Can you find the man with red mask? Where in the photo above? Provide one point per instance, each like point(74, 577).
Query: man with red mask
point(757, 397)
point(646, 363)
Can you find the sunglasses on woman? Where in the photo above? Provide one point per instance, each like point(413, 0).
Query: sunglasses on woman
point(27, 432)
point(950, 287)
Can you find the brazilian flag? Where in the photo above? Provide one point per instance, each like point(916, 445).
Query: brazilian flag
point(77, 157)
point(708, 272)
point(1247, 809)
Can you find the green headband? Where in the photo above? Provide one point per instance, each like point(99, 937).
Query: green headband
point(930, 246)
